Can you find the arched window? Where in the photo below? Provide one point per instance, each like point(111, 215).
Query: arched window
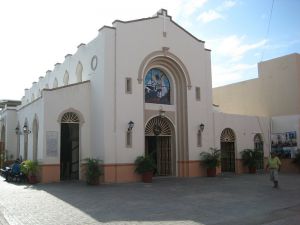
point(79, 70)
point(70, 117)
point(66, 78)
point(55, 83)
point(32, 97)
point(157, 87)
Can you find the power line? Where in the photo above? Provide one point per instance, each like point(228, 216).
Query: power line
point(268, 29)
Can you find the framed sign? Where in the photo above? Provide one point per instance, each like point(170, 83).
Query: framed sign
point(52, 143)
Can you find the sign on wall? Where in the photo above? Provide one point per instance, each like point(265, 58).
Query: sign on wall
point(284, 144)
point(52, 143)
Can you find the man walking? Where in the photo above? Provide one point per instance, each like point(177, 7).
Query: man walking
point(274, 166)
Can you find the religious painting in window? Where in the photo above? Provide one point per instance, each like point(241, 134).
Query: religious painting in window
point(157, 87)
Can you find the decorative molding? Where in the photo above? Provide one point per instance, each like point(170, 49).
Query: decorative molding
point(158, 126)
point(227, 135)
point(70, 117)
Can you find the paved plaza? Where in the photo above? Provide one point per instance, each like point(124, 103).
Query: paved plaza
point(228, 199)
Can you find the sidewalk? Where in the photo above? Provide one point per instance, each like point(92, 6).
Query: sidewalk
point(245, 199)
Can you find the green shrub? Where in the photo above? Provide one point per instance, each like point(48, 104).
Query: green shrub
point(211, 159)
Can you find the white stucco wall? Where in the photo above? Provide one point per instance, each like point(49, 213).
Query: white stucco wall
point(74, 98)
point(130, 53)
point(29, 112)
point(244, 128)
point(9, 118)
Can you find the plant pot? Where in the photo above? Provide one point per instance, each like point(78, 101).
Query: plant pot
point(147, 177)
point(32, 179)
point(252, 169)
point(93, 181)
point(211, 172)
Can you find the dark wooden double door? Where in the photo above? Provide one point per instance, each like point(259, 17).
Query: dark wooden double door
point(159, 148)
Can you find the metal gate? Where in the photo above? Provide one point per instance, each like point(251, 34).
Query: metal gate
point(227, 150)
point(227, 157)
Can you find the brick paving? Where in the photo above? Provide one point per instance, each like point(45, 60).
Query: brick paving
point(245, 199)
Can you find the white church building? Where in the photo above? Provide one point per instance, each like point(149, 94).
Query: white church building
point(140, 87)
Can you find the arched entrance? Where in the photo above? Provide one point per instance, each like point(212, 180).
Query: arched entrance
point(259, 145)
point(35, 131)
point(228, 150)
point(154, 71)
point(2, 146)
point(159, 143)
point(26, 132)
point(69, 147)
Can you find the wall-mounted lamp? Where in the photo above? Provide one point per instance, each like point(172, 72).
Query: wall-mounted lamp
point(162, 113)
point(17, 130)
point(26, 129)
point(130, 125)
point(201, 127)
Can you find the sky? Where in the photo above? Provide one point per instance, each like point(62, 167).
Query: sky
point(37, 34)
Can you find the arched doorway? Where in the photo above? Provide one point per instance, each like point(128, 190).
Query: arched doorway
point(259, 145)
point(2, 146)
point(35, 131)
point(159, 143)
point(227, 150)
point(26, 132)
point(168, 66)
point(69, 147)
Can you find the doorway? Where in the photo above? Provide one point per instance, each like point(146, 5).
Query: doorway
point(159, 144)
point(159, 148)
point(227, 157)
point(227, 150)
point(69, 150)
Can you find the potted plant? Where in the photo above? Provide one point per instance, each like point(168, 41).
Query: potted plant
point(145, 166)
point(296, 160)
point(251, 158)
point(93, 171)
point(30, 169)
point(211, 160)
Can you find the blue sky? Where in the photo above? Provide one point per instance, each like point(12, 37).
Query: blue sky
point(237, 33)
point(36, 34)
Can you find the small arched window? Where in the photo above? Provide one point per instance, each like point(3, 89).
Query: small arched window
point(66, 78)
point(55, 83)
point(79, 70)
point(157, 87)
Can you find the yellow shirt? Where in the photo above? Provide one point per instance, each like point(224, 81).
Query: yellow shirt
point(274, 163)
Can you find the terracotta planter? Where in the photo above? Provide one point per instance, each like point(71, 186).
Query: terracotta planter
point(147, 177)
point(94, 181)
point(252, 169)
point(32, 179)
point(211, 172)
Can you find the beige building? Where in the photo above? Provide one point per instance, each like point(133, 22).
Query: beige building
point(276, 91)
point(274, 94)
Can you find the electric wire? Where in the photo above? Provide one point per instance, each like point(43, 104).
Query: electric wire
point(268, 30)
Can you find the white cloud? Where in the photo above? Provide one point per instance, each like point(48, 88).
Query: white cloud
point(229, 4)
point(234, 47)
point(209, 16)
point(189, 7)
point(231, 73)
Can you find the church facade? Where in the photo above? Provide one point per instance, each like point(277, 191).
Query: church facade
point(140, 87)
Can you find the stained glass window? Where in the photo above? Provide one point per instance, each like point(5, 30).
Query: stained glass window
point(157, 87)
